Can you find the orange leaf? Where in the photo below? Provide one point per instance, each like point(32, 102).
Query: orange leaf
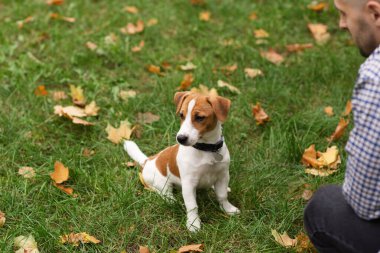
point(143, 250)
point(139, 47)
point(131, 28)
point(348, 109)
point(227, 70)
point(272, 56)
point(60, 174)
point(2, 219)
point(329, 111)
point(55, 2)
point(253, 16)
point(339, 130)
point(21, 23)
point(298, 47)
point(261, 33)
point(191, 248)
point(67, 190)
point(40, 91)
point(205, 16)
point(87, 152)
point(309, 157)
point(318, 6)
point(154, 69)
point(82, 122)
point(186, 82)
point(260, 115)
point(197, 2)
point(131, 9)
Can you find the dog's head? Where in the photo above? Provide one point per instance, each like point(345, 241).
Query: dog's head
point(199, 115)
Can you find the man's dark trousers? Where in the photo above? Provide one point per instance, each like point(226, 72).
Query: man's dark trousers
point(333, 226)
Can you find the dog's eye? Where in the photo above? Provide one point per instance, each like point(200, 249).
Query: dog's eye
point(199, 118)
point(181, 115)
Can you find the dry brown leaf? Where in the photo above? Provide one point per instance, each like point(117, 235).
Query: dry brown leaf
point(303, 243)
point(229, 86)
point(59, 95)
point(152, 22)
point(25, 244)
point(76, 239)
point(88, 152)
point(272, 56)
point(319, 32)
point(2, 219)
point(309, 157)
point(69, 111)
point(252, 73)
point(260, 33)
point(147, 117)
point(329, 111)
point(325, 165)
point(60, 174)
point(21, 23)
point(307, 194)
point(67, 190)
point(204, 90)
point(56, 16)
point(188, 79)
point(188, 66)
point(252, 16)
point(55, 2)
point(27, 172)
point(227, 70)
point(41, 91)
point(116, 135)
point(329, 157)
point(126, 94)
point(339, 130)
point(298, 47)
point(320, 172)
point(318, 6)
point(131, 9)
point(205, 16)
point(92, 46)
point(191, 248)
point(348, 108)
point(154, 69)
point(83, 122)
point(138, 47)
point(91, 109)
point(130, 164)
point(260, 115)
point(77, 95)
point(131, 28)
point(166, 65)
point(68, 19)
point(284, 239)
point(143, 249)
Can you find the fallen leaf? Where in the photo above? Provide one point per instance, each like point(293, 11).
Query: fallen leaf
point(152, 22)
point(143, 249)
point(298, 47)
point(260, 33)
point(76, 239)
point(116, 135)
point(229, 69)
point(2, 219)
point(315, 6)
point(25, 244)
point(154, 69)
point(307, 194)
point(59, 17)
point(147, 117)
point(69, 111)
point(261, 42)
point(284, 239)
point(59, 95)
point(260, 115)
point(187, 66)
point(77, 95)
point(60, 174)
point(188, 79)
point(205, 16)
point(27, 172)
point(329, 157)
point(339, 130)
point(166, 65)
point(319, 172)
point(88, 152)
point(252, 73)
point(319, 32)
point(204, 90)
point(329, 111)
point(191, 248)
point(91, 109)
point(41, 91)
point(92, 46)
point(111, 39)
point(348, 108)
point(55, 2)
point(131, 28)
point(197, 2)
point(325, 165)
point(82, 122)
point(229, 86)
point(131, 164)
point(131, 9)
point(304, 244)
point(126, 94)
point(272, 56)
point(309, 157)
point(138, 47)
point(67, 190)
point(252, 16)
point(21, 23)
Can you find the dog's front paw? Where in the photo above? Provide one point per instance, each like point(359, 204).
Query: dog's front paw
point(230, 209)
point(193, 225)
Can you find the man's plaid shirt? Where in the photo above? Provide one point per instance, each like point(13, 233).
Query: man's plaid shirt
point(361, 186)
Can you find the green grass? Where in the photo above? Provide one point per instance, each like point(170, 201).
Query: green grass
point(111, 204)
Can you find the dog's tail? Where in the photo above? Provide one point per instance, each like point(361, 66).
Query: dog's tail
point(134, 152)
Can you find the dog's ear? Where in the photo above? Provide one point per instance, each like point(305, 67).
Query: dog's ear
point(221, 107)
point(179, 97)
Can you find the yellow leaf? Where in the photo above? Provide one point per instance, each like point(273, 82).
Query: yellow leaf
point(252, 73)
point(204, 90)
point(307, 194)
point(77, 238)
point(284, 239)
point(116, 135)
point(125, 95)
point(253, 16)
point(319, 172)
point(91, 109)
point(330, 156)
point(60, 174)
point(154, 69)
point(77, 95)
point(83, 122)
point(329, 111)
point(261, 33)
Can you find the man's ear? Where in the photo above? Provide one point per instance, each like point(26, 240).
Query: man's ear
point(374, 8)
point(221, 107)
point(179, 97)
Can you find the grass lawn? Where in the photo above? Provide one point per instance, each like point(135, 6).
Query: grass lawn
point(266, 173)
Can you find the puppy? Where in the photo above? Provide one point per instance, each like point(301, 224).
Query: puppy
point(200, 160)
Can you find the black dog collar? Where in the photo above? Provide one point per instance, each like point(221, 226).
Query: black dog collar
point(209, 147)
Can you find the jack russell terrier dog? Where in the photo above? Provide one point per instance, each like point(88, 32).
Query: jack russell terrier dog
point(200, 160)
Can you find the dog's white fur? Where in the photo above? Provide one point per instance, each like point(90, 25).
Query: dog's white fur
point(198, 169)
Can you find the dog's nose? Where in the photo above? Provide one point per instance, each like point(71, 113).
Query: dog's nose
point(182, 139)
